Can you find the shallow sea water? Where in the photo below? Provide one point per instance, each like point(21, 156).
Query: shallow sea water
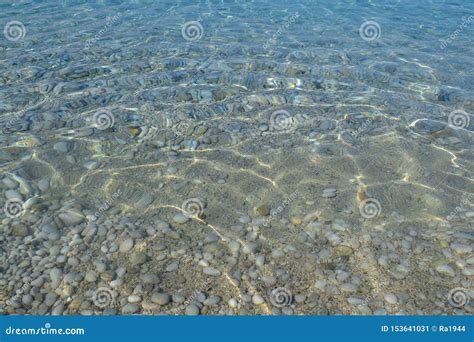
point(237, 157)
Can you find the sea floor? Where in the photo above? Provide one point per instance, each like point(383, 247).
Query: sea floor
point(243, 158)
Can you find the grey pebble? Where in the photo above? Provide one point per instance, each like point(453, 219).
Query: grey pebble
point(180, 218)
point(191, 310)
point(126, 245)
point(160, 298)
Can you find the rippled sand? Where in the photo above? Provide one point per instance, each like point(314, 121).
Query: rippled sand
point(228, 158)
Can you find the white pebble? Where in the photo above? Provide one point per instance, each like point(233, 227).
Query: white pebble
point(390, 298)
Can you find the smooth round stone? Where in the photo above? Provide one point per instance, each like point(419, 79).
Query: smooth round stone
point(380, 312)
point(277, 253)
point(55, 274)
point(91, 165)
point(130, 308)
point(61, 146)
point(134, 299)
point(149, 306)
point(13, 194)
point(300, 298)
point(245, 219)
point(212, 300)
point(233, 303)
point(116, 283)
point(27, 299)
point(461, 249)
point(263, 128)
point(144, 201)
point(445, 270)
point(468, 271)
point(257, 299)
point(263, 210)
point(43, 184)
point(172, 267)
point(177, 298)
point(71, 217)
point(390, 298)
point(150, 278)
point(160, 298)
point(10, 183)
point(74, 262)
point(126, 245)
point(138, 258)
point(234, 246)
point(203, 263)
point(260, 261)
point(269, 280)
point(172, 170)
point(251, 247)
point(191, 310)
point(180, 218)
point(329, 193)
point(211, 271)
point(349, 287)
